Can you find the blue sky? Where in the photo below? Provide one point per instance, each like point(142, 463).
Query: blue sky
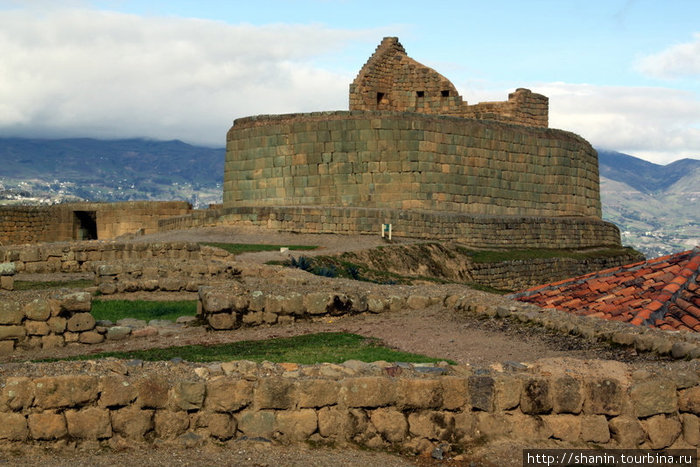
point(623, 74)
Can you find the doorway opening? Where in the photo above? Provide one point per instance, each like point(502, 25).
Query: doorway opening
point(85, 223)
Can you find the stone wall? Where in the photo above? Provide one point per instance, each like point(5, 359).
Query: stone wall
point(65, 222)
point(410, 408)
point(479, 231)
point(391, 80)
point(409, 162)
point(45, 323)
point(85, 256)
point(161, 275)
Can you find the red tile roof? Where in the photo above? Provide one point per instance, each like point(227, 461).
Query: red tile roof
point(662, 292)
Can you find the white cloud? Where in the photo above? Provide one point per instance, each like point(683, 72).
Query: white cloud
point(657, 124)
point(678, 61)
point(105, 74)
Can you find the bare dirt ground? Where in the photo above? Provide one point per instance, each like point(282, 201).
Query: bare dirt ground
point(434, 331)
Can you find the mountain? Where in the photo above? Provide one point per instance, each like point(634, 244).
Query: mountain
point(114, 170)
point(657, 207)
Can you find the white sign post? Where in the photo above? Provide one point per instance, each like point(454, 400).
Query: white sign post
point(386, 230)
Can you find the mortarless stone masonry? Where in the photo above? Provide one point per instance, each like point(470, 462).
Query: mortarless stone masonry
point(412, 150)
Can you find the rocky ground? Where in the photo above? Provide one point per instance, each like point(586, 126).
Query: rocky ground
point(435, 331)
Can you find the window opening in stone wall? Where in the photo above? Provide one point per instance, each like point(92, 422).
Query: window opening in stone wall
point(380, 96)
point(445, 93)
point(85, 225)
point(420, 93)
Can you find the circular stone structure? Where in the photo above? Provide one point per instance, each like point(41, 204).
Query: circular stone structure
point(412, 153)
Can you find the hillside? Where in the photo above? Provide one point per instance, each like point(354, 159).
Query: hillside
point(656, 207)
point(114, 170)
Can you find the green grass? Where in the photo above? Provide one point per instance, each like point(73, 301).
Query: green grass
point(238, 248)
point(42, 285)
point(330, 347)
point(114, 310)
point(491, 256)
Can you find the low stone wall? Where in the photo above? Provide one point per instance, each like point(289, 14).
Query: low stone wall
point(167, 276)
point(470, 230)
point(46, 323)
point(232, 307)
point(7, 273)
point(413, 408)
point(85, 256)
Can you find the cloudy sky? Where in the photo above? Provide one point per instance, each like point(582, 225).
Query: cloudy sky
point(624, 74)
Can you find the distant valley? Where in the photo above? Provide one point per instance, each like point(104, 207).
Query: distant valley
point(656, 207)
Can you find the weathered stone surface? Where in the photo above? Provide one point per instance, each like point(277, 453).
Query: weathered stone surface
point(689, 400)
point(132, 422)
point(13, 426)
point(152, 393)
point(567, 395)
point(214, 301)
point(653, 397)
point(222, 321)
point(91, 337)
point(566, 427)
point(90, 423)
point(37, 310)
point(80, 322)
point(594, 429)
point(691, 428)
point(481, 392)
point(17, 393)
point(603, 396)
point(296, 425)
point(254, 423)
point(376, 304)
point(274, 393)
point(317, 303)
point(115, 391)
point(367, 391)
point(76, 302)
point(169, 424)
point(661, 430)
point(36, 328)
point(12, 332)
point(7, 282)
point(7, 269)
point(528, 428)
point(507, 391)
point(220, 425)
point(187, 395)
point(52, 341)
point(430, 424)
point(418, 393)
point(11, 312)
point(226, 394)
point(317, 393)
point(7, 347)
point(117, 333)
point(454, 392)
point(627, 431)
point(57, 324)
point(253, 318)
point(491, 425)
point(65, 391)
point(47, 425)
point(535, 397)
point(418, 302)
point(390, 423)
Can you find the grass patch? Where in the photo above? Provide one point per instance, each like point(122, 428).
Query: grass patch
point(238, 248)
point(497, 256)
point(42, 285)
point(114, 310)
point(330, 347)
